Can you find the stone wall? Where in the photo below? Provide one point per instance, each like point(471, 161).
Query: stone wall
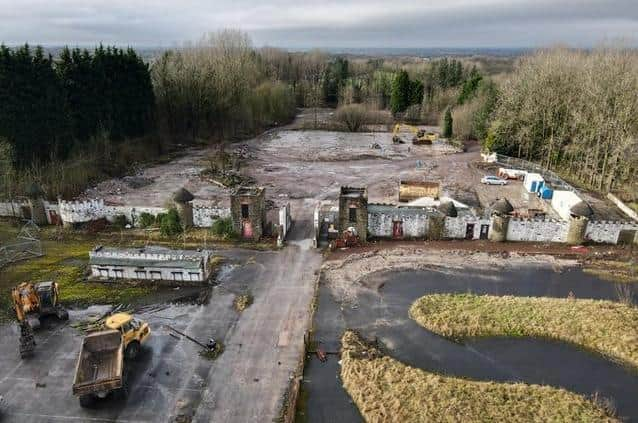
point(12, 209)
point(537, 230)
point(204, 216)
point(608, 232)
point(85, 211)
point(381, 218)
point(456, 227)
point(82, 211)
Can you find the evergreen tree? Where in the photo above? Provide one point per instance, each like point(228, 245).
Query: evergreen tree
point(443, 73)
point(49, 107)
point(457, 73)
point(335, 79)
point(416, 92)
point(400, 99)
point(470, 87)
point(489, 95)
point(447, 123)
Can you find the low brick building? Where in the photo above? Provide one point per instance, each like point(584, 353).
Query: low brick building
point(248, 211)
point(150, 263)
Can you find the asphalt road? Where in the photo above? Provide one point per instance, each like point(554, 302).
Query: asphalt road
point(170, 381)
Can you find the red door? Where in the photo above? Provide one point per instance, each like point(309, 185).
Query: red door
point(54, 219)
point(247, 229)
point(397, 229)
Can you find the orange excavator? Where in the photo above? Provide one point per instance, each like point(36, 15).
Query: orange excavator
point(32, 302)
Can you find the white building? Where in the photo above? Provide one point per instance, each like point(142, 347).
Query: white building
point(532, 181)
point(150, 263)
point(563, 201)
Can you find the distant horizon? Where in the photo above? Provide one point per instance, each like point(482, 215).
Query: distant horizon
point(356, 51)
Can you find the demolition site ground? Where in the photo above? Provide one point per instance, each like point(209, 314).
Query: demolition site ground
point(263, 344)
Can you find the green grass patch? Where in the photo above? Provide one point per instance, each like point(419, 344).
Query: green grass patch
point(385, 389)
point(606, 327)
point(242, 302)
point(66, 263)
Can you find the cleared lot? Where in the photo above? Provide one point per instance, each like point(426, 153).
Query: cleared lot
point(170, 380)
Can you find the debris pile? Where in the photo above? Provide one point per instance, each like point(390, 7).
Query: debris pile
point(137, 181)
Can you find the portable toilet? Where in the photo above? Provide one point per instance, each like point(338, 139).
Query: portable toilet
point(539, 186)
point(532, 182)
point(546, 192)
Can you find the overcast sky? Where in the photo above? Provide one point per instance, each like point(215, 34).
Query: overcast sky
point(326, 23)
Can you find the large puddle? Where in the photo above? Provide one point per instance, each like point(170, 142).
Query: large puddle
point(383, 314)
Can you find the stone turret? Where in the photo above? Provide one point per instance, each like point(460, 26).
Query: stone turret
point(353, 210)
point(578, 220)
point(182, 199)
point(500, 211)
point(248, 211)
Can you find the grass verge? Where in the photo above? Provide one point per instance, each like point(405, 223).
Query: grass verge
point(66, 262)
point(613, 270)
point(386, 390)
point(606, 327)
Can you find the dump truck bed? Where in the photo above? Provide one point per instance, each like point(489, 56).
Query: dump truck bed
point(100, 363)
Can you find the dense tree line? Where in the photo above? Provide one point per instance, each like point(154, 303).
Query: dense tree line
point(50, 107)
point(573, 111)
point(219, 88)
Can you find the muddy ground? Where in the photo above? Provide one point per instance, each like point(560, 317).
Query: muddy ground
point(372, 292)
point(294, 163)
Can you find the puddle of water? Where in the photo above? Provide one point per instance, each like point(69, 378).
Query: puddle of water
point(499, 359)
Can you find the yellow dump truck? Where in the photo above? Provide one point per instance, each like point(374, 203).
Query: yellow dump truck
point(101, 368)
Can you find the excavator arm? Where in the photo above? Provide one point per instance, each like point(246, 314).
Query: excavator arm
point(20, 295)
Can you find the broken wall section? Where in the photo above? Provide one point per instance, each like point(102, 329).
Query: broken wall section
point(73, 212)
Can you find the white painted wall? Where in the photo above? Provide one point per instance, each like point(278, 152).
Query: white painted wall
point(12, 209)
point(607, 232)
point(204, 217)
point(530, 178)
point(381, 220)
point(151, 273)
point(563, 201)
point(537, 230)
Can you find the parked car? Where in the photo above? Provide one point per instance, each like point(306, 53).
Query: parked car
point(493, 180)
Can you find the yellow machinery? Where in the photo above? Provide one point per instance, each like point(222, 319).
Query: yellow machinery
point(134, 332)
point(32, 302)
point(421, 137)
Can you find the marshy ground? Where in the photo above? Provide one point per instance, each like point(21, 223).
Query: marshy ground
point(372, 293)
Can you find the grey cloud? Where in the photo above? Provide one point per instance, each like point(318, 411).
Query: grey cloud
point(348, 23)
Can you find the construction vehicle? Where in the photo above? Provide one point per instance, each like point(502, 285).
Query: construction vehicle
point(421, 137)
point(103, 360)
point(348, 239)
point(31, 302)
